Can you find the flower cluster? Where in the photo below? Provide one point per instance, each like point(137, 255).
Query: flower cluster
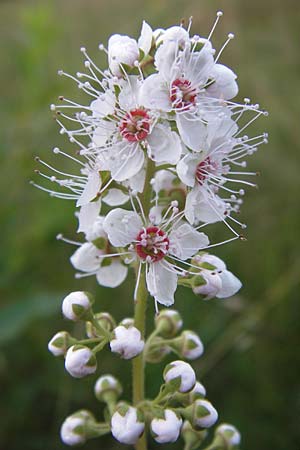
point(160, 154)
point(162, 138)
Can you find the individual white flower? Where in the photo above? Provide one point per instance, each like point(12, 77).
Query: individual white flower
point(77, 305)
point(160, 247)
point(127, 342)
point(182, 371)
point(229, 433)
point(60, 342)
point(127, 425)
point(121, 50)
point(107, 384)
point(80, 361)
point(191, 346)
point(204, 414)
point(166, 429)
point(215, 281)
point(121, 142)
point(74, 430)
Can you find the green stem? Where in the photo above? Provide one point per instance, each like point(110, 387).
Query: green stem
point(138, 364)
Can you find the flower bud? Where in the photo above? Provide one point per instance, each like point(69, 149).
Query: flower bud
point(198, 392)
point(127, 342)
point(229, 434)
point(167, 428)
point(190, 345)
point(168, 322)
point(60, 343)
point(121, 50)
point(80, 361)
point(192, 438)
point(127, 424)
point(181, 375)
point(74, 430)
point(107, 385)
point(156, 352)
point(203, 414)
point(127, 322)
point(211, 286)
point(105, 320)
point(77, 305)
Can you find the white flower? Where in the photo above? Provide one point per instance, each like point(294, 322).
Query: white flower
point(73, 430)
point(59, 344)
point(76, 305)
point(167, 429)
point(205, 415)
point(160, 247)
point(184, 372)
point(126, 426)
point(127, 342)
point(121, 50)
point(229, 433)
point(80, 361)
point(192, 346)
point(218, 281)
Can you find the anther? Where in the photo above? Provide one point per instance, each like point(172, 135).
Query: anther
point(101, 47)
point(230, 36)
point(61, 98)
point(82, 49)
point(219, 13)
point(52, 107)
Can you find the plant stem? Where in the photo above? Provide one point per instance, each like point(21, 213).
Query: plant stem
point(138, 365)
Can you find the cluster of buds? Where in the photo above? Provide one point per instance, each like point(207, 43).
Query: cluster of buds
point(165, 338)
point(101, 329)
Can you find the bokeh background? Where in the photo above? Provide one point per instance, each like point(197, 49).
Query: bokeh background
point(252, 361)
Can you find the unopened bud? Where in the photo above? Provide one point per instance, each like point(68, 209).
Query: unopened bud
point(192, 438)
point(181, 375)
point(191, 345)
point(168, 322)
point(202, 414)
point(107, 385)
point(128, 342)
point(105, 320)
point(60, 343)
point(167, 428)
point(157, 351)
point(77, 305)
point(80, 361)
point(127, 322)
point(75, 428)
point(127, 424)
point(230, 435)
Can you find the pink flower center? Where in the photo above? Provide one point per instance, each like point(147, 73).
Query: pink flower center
point(182, 94)
point(153, 244)
point(202, 170)
point(135, 125)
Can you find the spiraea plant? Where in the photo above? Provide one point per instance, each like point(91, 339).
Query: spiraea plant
point(160, 153)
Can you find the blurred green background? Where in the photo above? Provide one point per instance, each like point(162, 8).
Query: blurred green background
point(252, 361)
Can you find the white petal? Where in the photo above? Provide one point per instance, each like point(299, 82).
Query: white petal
point(192, 131)
point(112, 275)
point(230, 284)
point(186, 168)
point(115, 197)
point(122, 226)
point(86, 258)
point(164, 145)
point(87, 215)
point(91, 188)
point(202, 207)
point(145, 39)
point(154, 93)
point(225, 86)
point(200, 65)
point(161, 282)
point(185, 241)
point(126, 161)
point(104, 105)
point(103, 132)
point(214, 261)
point(129, 95)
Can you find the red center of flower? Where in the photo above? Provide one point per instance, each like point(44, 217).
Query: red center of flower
point(153, 244)
point(202, 170)
point(135, 125)
point(182, 94)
